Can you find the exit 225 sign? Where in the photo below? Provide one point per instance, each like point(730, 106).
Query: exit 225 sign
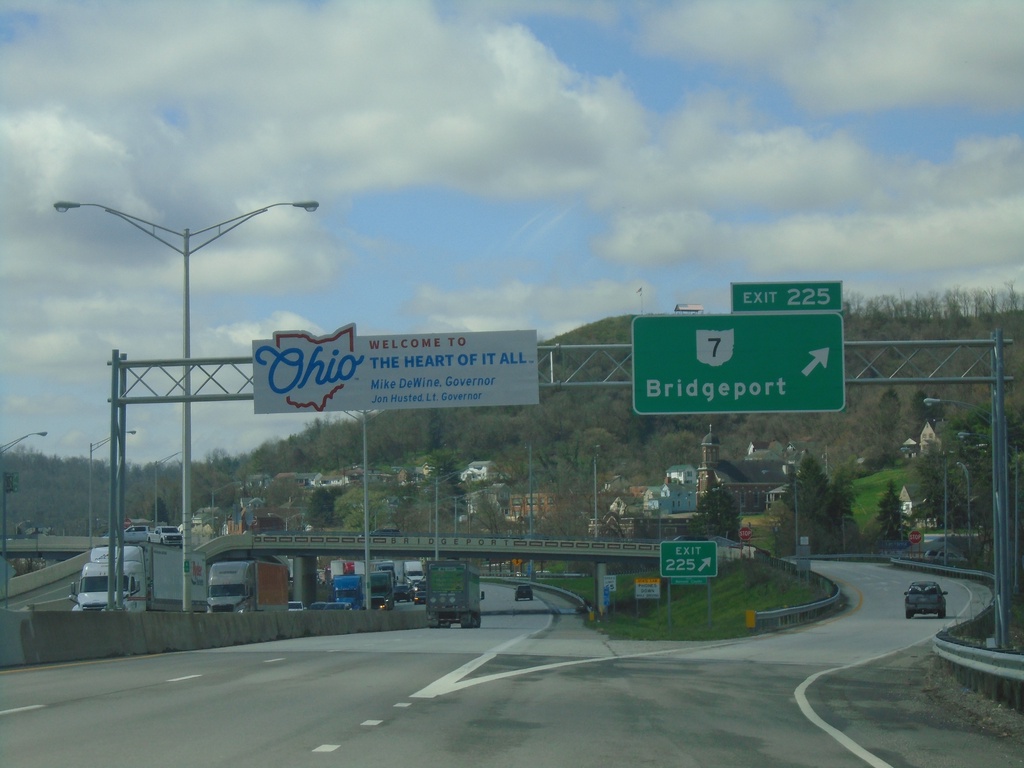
point(689, 558)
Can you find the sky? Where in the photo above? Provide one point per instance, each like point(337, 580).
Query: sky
point(480, 165)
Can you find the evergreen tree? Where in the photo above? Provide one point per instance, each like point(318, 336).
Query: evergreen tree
point(717, 514)
point(890, 515)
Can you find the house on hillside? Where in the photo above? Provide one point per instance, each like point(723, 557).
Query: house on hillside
point(910, 498)
point(670, 499)
point(478, 471)
point(686, 474)
point(930, 440)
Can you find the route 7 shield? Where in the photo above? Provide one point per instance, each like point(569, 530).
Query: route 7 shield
point(715, 347)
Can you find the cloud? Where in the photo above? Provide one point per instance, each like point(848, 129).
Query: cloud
point(865, 55)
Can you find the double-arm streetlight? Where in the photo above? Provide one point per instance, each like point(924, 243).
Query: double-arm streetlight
point(4, 449)
point(93, 447)
point(437, 484)
point(182, 243)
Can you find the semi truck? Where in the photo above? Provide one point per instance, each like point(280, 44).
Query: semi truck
point(241, 586)
point(349, 589)
point(414, 571)
point(382, 591)
point(453, 594)
point(152, 579)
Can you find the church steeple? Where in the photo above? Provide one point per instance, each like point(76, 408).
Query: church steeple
point(710, 448)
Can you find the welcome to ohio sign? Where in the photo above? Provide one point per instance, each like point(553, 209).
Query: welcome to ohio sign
point(341, 371)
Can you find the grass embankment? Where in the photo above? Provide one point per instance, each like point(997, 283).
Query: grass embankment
point(738, 588)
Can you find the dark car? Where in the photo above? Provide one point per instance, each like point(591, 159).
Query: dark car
point(925, 597)
point(386, 532)
point(524, 592)
point(403, 592)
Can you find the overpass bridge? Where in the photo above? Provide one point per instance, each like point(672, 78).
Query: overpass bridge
point(456, 547)
point(351, 545)
point(305, 547)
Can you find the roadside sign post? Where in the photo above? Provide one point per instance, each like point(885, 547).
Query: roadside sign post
point(645, 588)
point(689, 559)
point(915, 538)
point(743, 363)
point(689, 562)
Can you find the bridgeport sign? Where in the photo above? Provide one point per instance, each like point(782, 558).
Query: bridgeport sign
point(341, 371)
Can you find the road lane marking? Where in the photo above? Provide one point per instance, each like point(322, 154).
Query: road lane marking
point(401, 704)
point(841, 738)
point(179, 679)
point(327, 747)
point(21, 709)
point(371, 722)
point(271, 661)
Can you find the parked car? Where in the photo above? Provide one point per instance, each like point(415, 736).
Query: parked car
point(136, 534)
point(524, 592)
point(925, 597)
point(296, 605)
point(403, 592)
point(938, 556)
point(165, 534)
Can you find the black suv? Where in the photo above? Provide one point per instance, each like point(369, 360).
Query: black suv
point(925, 597)
point(524, 592)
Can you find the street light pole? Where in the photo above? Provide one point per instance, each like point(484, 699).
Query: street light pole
point(967, 474)
point(945, 509)
point(4, 449)
point(92, 447)
point(156, 492)
point(596, 448)
point(185, 249)
point(1000, 495)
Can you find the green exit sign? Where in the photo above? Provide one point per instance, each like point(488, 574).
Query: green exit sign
point(738, 363)
point(689, 559)
point(787, 297)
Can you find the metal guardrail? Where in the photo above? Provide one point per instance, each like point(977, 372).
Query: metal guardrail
point(767, 621)
point(993, 672)
point(996, 674)
point(778, 618)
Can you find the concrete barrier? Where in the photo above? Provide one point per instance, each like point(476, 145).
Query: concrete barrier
point(67, 569)
point(48, 637)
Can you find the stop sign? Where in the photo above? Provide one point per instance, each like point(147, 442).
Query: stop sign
point(915, 537)
point(745, 533)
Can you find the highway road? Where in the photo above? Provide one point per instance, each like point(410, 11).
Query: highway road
point(530, 689)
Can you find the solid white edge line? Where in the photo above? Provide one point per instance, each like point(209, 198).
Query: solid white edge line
point(837, 735)
point(29, 708)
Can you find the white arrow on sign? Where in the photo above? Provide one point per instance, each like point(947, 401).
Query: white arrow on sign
point(705, 563)
point(818, 357)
